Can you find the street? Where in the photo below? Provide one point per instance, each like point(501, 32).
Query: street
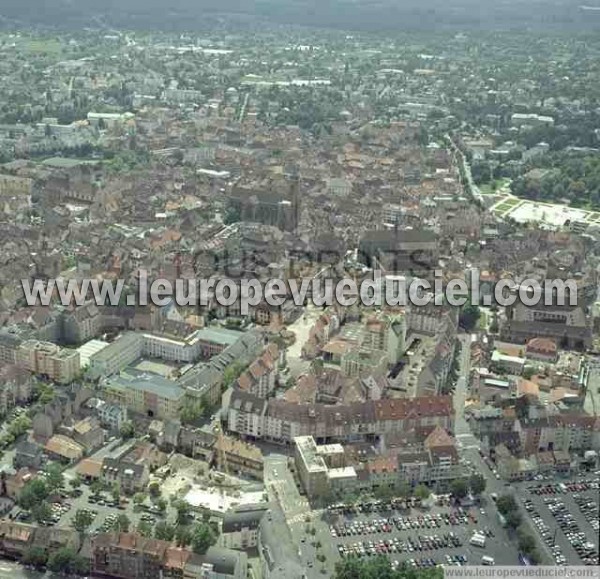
point(282, 488)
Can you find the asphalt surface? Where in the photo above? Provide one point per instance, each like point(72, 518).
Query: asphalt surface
point(499, 546)
point(306, 526)
point(556, 532)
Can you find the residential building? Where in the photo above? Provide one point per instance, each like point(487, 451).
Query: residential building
point(281, 421)
point(236, 456)
point(28, 454)
point(240, 529)
point(115, 357)
point(49, 360)
point(510, 364)
point(128, 556)
point(130, 476)
point(144, 393)
point(112, 416)
point(88, 433)
point(131, 556)
point(311, 466)
point(64, 449)
point(542, 349)
point(15, 387)
point(259, 379)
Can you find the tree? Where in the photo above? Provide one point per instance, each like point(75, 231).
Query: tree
point(33, 493)
point(459, 488)
point(231, 374)
point(43, 393)
point(75, 482)
point(127, 430)
point(202, 538)
point(139, 498)
point(164, 531)
point(183, 512)
point(41, 512)
point(83, 519)
point(96, 487)
point(384, 493)
point(19, 426)
point(528, 372)
point(403, 490)
point(61, 559)
point(144, 528)
point(469, 316)
point(494, 326)
point(55, 479)
point(183, 536)
point(380, 567)
point(191, 412)
point(422, 492)
point(477, 483)
point(154, 488)
point(122, 523)
point(80, 565)
point(115, 491)
point(506, 504)
point(162, 505)
point(35, 556)
point(526, 541)
point(513, 519)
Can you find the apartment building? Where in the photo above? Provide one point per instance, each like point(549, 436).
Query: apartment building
point(127, 348)
point(128, 556)
point(15, 387)
point(144, 393)
point(9, 344)
point(131, 556)
point(48, 359)
point(311, 466)
point(130, 477)
point(386, 332)
point(236, 456)
point(281, 421)
point(260, 377)
point(240, 529)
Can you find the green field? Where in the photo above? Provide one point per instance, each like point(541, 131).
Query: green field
point(41, 46)
point(487, 189)
point(504, 208)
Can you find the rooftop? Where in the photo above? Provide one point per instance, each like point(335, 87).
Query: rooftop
point(131, 379)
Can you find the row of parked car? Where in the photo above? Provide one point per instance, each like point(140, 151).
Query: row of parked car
point(410, 545)
point(544, 531)
point(589, 509)
point(563, 488)
point(401, 523)
point(374, 506)
point(566, 521)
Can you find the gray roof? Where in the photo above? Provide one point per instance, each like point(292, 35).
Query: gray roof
point(235, 521)
point(28, 448)
point(153, 383)
point(10, 340)
point(223, 560)
point(218, 335)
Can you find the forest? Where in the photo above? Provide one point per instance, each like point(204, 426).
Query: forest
point(574, 178)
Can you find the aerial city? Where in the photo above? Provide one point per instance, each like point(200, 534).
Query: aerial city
point(299, 290)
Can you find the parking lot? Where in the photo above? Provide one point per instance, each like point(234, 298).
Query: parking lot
point(423, 537)
point(104, 511)
point(566, 517)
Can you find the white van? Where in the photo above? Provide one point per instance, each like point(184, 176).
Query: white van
point(487, 560)
point(477, 540)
